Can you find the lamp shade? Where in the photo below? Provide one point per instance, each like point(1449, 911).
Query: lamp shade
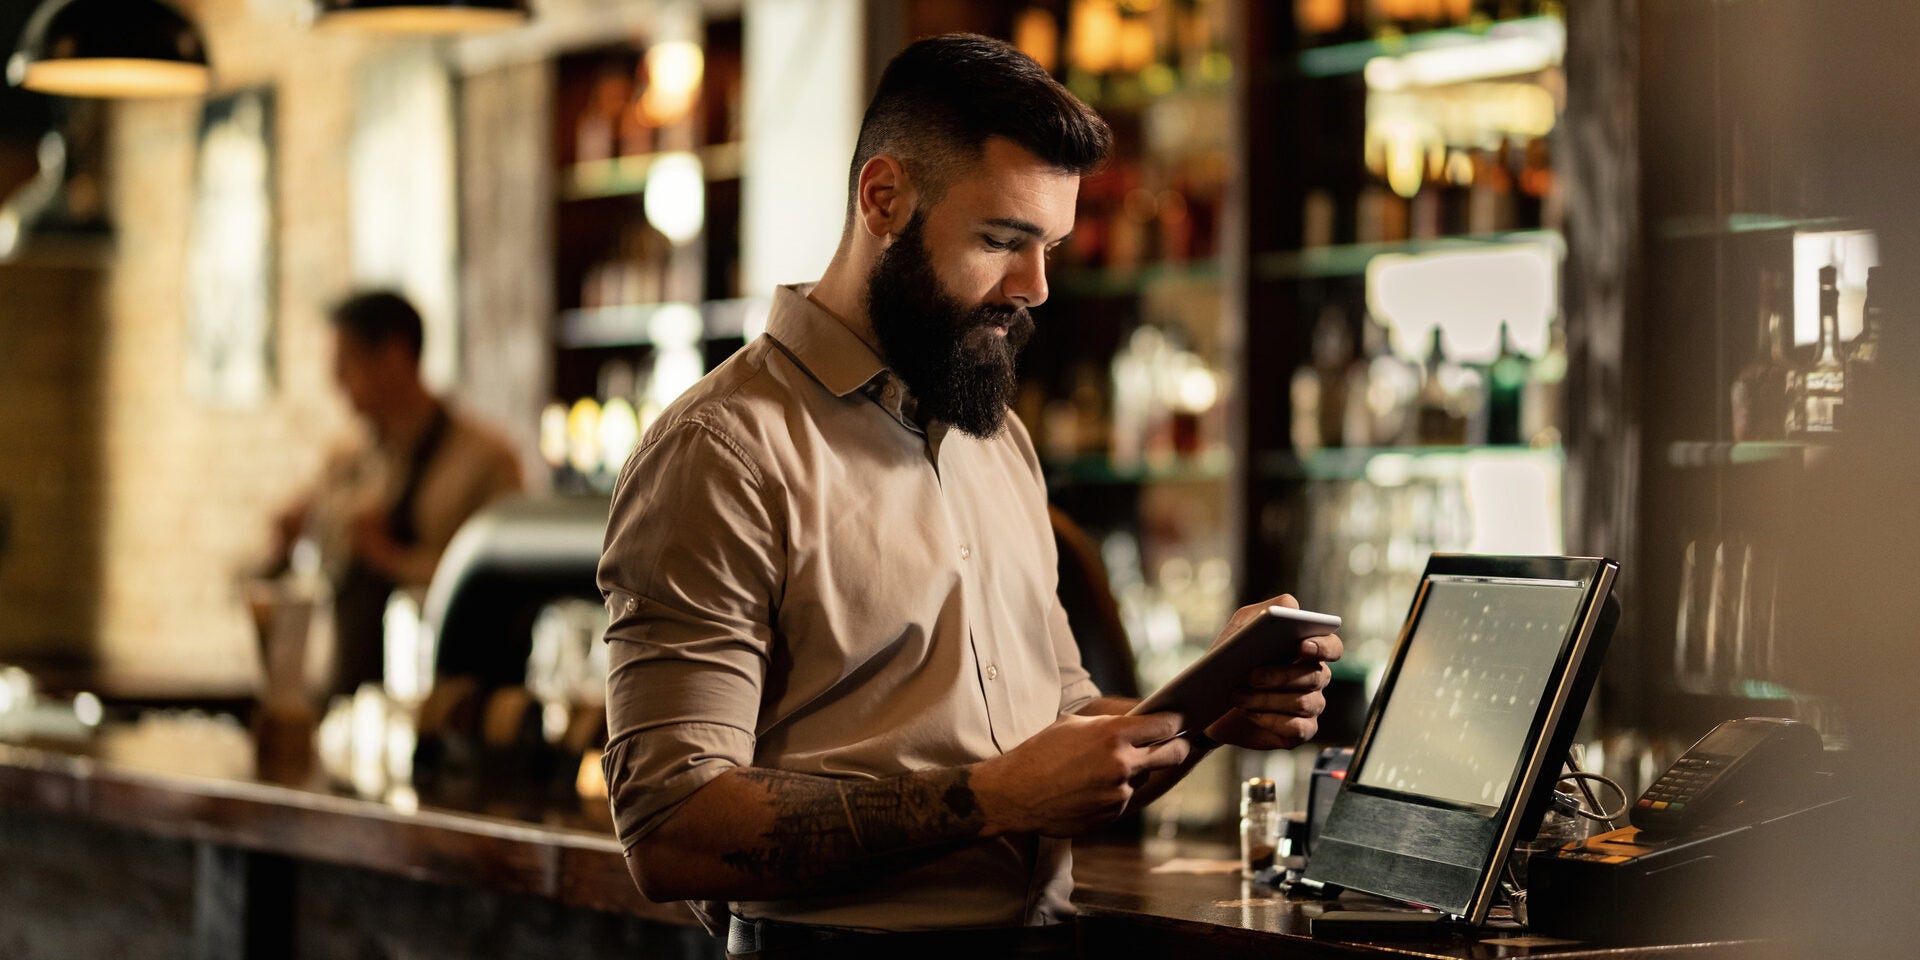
point(110, 48)
point(424, 16)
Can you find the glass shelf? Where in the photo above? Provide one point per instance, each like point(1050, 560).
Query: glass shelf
point(1210, 467)
point(1390, 466)
point(629, 325)
point(1351, 58)
point(1695, 453)
point(627, 176)
point(1350, 260)
point(1107, 282)
point(1696, 227)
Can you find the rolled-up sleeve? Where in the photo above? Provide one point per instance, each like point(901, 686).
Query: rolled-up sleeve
point(690, 573)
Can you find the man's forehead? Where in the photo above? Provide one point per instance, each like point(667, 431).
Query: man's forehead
point(1011, 188)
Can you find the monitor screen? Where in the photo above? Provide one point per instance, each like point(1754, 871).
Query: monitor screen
point(1476, 667)
point(1468, 729)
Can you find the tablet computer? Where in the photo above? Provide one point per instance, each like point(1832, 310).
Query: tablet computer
point(1202, 692)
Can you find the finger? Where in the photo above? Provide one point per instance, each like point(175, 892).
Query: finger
point(1328, 648)
point(1151, 727)
point(1286, 704)
point(1284, 600)
point(1168, 753)
point(1291, 676)
point(1262, 731)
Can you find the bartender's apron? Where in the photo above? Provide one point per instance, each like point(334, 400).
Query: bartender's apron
point(360, 594)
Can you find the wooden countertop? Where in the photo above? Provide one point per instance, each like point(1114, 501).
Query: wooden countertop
point(201, 785)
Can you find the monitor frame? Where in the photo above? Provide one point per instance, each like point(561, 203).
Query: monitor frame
point(1445, 854)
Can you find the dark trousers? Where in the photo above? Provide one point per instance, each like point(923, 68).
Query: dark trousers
point(774, 940)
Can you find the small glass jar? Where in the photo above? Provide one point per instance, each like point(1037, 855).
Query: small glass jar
point(1259, 827)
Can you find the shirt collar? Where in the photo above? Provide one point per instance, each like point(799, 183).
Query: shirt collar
point(841, 360)
point(820, 342)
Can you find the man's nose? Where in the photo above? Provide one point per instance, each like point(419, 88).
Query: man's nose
point(1027, 283)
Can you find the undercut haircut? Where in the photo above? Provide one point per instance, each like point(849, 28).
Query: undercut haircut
point(378, 318)
point(941, 98)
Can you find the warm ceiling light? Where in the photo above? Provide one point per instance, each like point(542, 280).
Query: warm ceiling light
point(424, 16)
point(110, 48)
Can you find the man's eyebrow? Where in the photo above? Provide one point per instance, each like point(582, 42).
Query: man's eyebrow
point(1027, 227)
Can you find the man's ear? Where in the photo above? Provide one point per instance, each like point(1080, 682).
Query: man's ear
point(886, 196)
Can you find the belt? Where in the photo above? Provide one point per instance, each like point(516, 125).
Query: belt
point(779, 940)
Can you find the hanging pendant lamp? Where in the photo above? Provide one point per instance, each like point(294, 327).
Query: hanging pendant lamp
point(110, 48)
point(424, 16)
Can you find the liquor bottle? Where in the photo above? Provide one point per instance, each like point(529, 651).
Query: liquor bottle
point(1442, 414)
point(1760, 391)
point(1823, 389)
point(1541, 401)
point(1507, 378)
point(1863, 355)
point(1332, 352)
point(1392, 387)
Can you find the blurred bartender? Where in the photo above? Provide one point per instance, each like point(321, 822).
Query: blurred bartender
point(844, 703)
point(387, 502)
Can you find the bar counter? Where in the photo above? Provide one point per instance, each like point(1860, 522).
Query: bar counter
point(256, 853)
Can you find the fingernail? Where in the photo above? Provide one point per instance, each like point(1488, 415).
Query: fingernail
point(1310, 648)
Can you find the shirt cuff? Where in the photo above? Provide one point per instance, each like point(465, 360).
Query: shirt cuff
point(652, 772)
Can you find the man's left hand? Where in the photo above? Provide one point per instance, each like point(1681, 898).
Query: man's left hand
point(1279, 707)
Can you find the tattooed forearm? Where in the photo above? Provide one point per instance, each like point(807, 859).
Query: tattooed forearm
point(825, 829)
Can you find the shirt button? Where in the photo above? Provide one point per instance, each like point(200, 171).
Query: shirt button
point(993, 672)
point(966, 553)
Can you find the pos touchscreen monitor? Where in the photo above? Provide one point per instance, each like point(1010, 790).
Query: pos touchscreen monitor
point(1467, 733)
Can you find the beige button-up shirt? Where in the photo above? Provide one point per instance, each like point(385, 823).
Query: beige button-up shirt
point(799, 576)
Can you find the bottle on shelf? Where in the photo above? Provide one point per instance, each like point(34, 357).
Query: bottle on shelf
point(1332, 353)
point(1506, 383)
point(1823, 385)
point(1447, 398)
point(1759, 401)
point(1319, 390)
point(599, 124)
point(1388, 390)
point(1863, 354)
point(1541, 399)
point(1490, 200)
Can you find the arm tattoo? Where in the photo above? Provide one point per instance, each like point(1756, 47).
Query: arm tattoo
point(826, 830)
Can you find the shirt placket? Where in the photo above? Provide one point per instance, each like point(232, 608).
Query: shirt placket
point(970, 555)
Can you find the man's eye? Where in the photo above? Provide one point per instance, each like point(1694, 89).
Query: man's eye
point(999, 244)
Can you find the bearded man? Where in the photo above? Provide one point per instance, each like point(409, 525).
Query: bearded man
point(846, 715)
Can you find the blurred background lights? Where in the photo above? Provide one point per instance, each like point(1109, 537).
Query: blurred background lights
point(675, 197)
point(674, 69)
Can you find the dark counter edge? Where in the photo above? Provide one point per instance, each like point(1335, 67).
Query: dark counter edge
point(572, 867)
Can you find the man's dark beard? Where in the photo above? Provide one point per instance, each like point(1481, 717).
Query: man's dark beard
point(958, 369)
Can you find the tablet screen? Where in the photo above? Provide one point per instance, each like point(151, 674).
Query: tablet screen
point(1476, 668)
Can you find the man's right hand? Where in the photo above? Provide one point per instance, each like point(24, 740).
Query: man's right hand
point(1075, 775)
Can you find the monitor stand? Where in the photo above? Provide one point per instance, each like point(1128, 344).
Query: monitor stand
point(1385, 925)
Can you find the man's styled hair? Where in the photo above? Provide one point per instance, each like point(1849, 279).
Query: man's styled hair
point(941, 98)
point(380, 317)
